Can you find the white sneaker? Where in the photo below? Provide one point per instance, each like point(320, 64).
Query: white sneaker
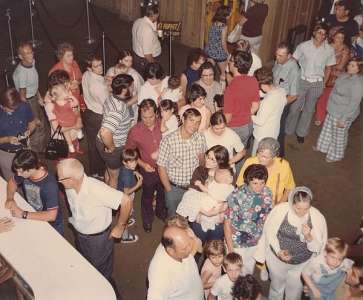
point(80, 134)
point(71, 149)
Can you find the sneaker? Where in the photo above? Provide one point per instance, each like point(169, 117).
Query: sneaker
point(131, 238)
point(80, 134)
point(131, 222)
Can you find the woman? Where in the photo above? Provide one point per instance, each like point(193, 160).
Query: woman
point(343, 108)
point(342, 55)
point(219, 134)
point(156, 82)
point(195, 59)
point(211, 86)
point(67, 63)
point(294, 233)
point(16, 125)
point(124, 65)
point(215, 158)
point(216, 47)
point(248, 207)
point(280, 178)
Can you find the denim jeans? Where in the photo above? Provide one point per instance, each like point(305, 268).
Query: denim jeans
point(173, 198)
point(216, 234)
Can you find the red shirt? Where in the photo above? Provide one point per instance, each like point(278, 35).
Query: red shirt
point(145, 140)
point(238, 98)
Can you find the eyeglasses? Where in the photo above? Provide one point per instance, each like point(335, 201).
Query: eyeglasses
point(208, 75)
point(62, 179)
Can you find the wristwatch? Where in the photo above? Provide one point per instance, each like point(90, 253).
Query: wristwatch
point(25, 214)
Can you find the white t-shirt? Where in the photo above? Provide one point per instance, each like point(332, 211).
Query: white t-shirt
point(95, 91)
point(170, 279)
point(148, 91)
point(138, 80)
point(172, 125)
point(145, 38)
point(222, 288)
point(92, 207)
point(256, 64)
point(26, 78)
point(174, 95)
point(266, 123)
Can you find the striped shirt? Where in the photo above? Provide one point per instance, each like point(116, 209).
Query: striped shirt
point(116, 118)
point(180, 156)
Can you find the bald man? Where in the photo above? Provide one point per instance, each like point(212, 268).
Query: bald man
point(91, 202)
point(173, 273)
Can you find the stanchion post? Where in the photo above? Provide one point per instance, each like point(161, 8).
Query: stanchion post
point(89, 39)
point(35, 43)
point(104, 53)
point(12, 58)
point(170, 51)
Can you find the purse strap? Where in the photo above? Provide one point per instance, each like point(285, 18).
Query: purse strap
point(59, 132)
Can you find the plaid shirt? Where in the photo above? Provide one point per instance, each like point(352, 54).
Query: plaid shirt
point(180, 157)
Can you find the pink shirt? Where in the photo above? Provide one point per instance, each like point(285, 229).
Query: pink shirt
point(209, 268)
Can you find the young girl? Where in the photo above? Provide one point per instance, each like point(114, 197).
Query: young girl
point(170, 120)
point(66, 111)
point(214, 251)
point(216, 47)
point(197, 100)
point(174, 91)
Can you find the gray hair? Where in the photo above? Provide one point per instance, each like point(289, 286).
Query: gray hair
point(71, 167)
point(270, 144)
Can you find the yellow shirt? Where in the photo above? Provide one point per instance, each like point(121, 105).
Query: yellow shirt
point(280, 177)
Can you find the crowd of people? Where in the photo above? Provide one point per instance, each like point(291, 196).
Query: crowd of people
point(184, 141)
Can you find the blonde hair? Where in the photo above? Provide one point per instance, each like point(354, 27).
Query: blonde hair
point(177, 221)
point(336, 245)
point(214, 247)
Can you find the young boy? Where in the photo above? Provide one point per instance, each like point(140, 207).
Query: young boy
point(129, 181)
point(326, 272)
point(222, 288)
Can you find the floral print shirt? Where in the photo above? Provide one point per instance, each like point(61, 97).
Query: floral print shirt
point(247, 212)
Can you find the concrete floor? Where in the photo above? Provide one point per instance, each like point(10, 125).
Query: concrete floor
point(338, 188)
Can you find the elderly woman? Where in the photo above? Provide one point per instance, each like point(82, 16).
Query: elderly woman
point(343, 109)
point(294, 233)
point(219, 134)
point(215, 158)
point(211, 86)
point(16, 125)
point(280, 178)
point(67, 63)
point(248, 207)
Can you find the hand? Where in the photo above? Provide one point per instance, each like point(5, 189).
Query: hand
point(6, 224)
point(306, 231)
point(148, 168)
point(110, 150)
point(139, 178)
point(9, 203)
point(16, 211)
point(242, 20)
point(155, 155)
point(284, 255)
point(117, 231)
point(316, 293)
point(340, 124)
point(198, 183)
point(13, 140)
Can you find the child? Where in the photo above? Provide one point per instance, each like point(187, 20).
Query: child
point(112, 72)
point(222, 288)
point(215, 251)
point(173, 91)
point(196, 99)
point(66, 112)
point(170, 119)
point(352, 288)
point(204, 206)
point(129, 181)
point(326, 272)
point(247, 288)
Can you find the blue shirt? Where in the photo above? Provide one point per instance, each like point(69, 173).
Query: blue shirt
point(14, 123)
point(43, 195)
point(126, 179)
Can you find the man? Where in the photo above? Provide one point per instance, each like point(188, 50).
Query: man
point(95, 93)
point(286, 74)
point(180, 154)
point(173, 273)
point(145, 42)
point(342, 18)
point(91, 203)
point(26, 82)
point(146, 136)
point(315, 57)
point(40, 187)
point(241, 98)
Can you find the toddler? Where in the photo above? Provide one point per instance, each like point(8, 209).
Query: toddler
point(170, 120)
point(326, 272)
point(222, 288)
point(173, 91)
point(204, 206)
point(129, 181)
point(66, 112)
point(214, 251)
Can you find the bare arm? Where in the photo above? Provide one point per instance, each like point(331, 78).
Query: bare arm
point(311, 285)
point(254, 107)
point(224, 38)
point(327, 72)
point(237, 157)
point(228, 235)
point(22, 92)
point(164, 178)
point(228, 117)
point(124, 213)
point(107, 139)
point(205, 278)
point(183, 83)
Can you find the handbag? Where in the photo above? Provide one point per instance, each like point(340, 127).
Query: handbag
point(57, 148)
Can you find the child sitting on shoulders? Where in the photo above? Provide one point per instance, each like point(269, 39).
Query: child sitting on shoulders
point(174, 91)
point(170, 120)
point(222, 288)
point(214, 251)
point(326, 272)
point(129, 181)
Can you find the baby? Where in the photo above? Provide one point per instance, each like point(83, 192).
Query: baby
point(173, 91)
point(205, 207)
